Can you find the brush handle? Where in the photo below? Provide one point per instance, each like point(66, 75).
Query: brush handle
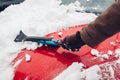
point(52, 42)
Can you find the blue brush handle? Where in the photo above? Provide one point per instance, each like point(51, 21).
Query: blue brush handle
point(52, 42)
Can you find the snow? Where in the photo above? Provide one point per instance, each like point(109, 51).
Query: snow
point(101, 55)
point(60, 34)
point(117, 52)
point(27, 57)
point(95, 52)
point(88, 0)
point(110, 52)
point(111, 71)
point(31, 45)
point(118, 61)
point(89, 73)
point(17, 63)
point(105, 56)
point(74, 73)
point(113, 43)
point(7, 73)
point(107, 71)
point(34, 18)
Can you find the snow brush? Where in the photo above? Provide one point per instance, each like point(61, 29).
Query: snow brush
point(21, 37)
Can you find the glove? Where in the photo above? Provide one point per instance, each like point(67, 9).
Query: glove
point(72, 42)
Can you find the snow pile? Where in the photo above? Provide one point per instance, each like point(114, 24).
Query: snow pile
point(105, 56)
point(117, 52)
point(106, 71)
point(6, 73)
point(110, 52)
point(95, 52)
point(100, 55)
point(27, 57)
point(72, 72)
point(35, 18)
point(75, 72)
point(86, 75)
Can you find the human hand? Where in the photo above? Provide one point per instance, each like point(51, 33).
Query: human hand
point(72, 42)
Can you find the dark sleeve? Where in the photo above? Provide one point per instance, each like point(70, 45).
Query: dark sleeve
point(104, 26)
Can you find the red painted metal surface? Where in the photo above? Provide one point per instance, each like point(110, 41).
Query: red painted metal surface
point(46, 62)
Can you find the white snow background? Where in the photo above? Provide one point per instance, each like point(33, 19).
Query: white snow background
point(35, 18)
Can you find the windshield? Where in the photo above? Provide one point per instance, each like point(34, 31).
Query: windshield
point(6, 3)
point(95, 6)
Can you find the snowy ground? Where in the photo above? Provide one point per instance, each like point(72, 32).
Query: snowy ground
point(36, 17)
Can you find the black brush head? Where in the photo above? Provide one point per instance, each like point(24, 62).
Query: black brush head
point(20, 37)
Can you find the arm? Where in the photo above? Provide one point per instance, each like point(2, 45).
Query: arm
point(104, 26)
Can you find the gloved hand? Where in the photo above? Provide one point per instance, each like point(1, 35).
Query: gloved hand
point(72, 42)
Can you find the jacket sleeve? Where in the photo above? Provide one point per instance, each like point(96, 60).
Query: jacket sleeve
point(104, 26)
